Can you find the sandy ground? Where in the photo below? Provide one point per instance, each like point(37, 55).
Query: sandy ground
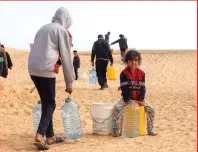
point(171, 89)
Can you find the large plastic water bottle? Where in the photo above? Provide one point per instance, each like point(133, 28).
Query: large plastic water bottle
point(71, 120)
point(92, 76)
point(131, 120)
point(36, 115)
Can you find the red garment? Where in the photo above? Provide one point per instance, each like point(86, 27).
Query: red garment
point(136, 80)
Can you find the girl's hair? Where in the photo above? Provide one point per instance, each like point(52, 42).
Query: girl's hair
point(131, 54)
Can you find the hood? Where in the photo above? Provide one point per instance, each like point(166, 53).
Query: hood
point(63, 17)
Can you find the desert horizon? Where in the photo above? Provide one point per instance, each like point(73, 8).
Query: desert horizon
point(171, 90)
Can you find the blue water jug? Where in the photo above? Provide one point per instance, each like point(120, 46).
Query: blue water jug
point(71, 120)
point(36, 115)
point(92, 76)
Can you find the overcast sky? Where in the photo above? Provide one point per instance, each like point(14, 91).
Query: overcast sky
point(147, 25)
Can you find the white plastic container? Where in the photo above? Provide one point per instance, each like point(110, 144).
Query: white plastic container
point(102, 114)
point(36, 116)
point(82, 76)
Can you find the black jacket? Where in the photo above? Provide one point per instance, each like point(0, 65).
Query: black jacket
point(122, 43)
point(5, 71)
point(76, 62)
point(101, 50)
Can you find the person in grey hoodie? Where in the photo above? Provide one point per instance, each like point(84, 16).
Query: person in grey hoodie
point(52, 41)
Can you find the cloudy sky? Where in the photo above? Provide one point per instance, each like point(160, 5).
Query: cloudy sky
point(147, 25)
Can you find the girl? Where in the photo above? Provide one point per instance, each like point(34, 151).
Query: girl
point(132, 85)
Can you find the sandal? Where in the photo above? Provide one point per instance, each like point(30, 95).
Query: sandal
point(152, 134)
point(40, 145)
point(58, 140)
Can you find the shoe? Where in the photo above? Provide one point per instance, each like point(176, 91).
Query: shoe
point(102, 88)
point(106, 85)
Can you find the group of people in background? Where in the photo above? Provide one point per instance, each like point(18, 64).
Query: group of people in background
point(102, 51)
point(122, 43)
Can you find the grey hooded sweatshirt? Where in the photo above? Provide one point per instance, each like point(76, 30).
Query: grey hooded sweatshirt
point(53, 40)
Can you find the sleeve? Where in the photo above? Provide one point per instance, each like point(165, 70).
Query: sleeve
point(125, 41)
point(93, 54)
point(124, 87)
point(9, 60)
point(115, 41)
point(142, 90)
point(67, 65)
point(110, 54)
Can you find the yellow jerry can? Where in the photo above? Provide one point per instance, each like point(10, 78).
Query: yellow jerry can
point(133, 121)
point(111, 73)
point(112, 51)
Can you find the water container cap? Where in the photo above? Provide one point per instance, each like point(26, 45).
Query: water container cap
point(67, 100)
point(39, 101)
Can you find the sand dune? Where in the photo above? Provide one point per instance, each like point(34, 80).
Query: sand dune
point(171, 89)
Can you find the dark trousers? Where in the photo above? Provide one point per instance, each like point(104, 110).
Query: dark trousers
point(76, 72)
point(46, 90)
point(123, 53)
point(101, 69)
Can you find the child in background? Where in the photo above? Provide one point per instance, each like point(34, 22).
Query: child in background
point(132, 85)
point(76, 63)
point(9, 63)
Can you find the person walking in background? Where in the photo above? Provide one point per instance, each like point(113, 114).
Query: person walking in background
point(107, 37)
point(9, 63)
point(123, 45)
point(103, 54)
point(76, 63)
point(3, 65)
point(3, 59)
point(52, 41)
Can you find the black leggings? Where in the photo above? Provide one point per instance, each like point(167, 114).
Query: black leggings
point(76, 73)
point(46, 90)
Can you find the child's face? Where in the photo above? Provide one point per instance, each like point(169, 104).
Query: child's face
point(75, 53)
point(133, 64)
